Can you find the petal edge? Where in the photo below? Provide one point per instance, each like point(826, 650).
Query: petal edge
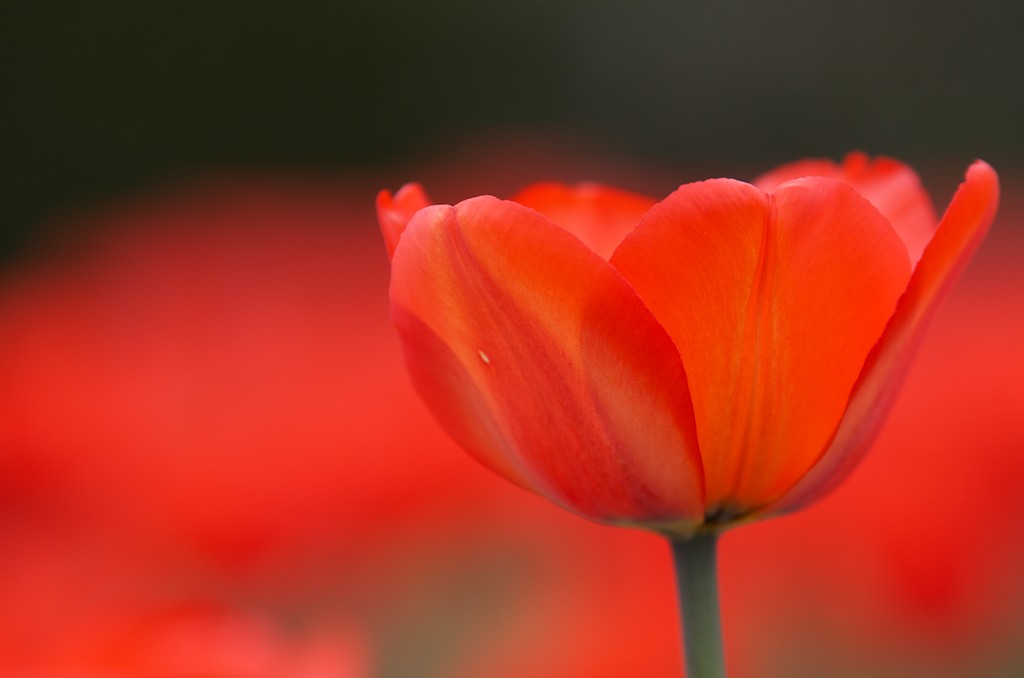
point(394, 212)
point(960, 232)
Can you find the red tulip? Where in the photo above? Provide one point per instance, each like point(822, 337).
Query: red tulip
point(725, 353)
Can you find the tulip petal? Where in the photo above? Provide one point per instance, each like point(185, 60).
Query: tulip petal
point(538, 358)
point(394, 212)
point(598, 215)
point(960, 232)
point(774, 302)
point(892, 187)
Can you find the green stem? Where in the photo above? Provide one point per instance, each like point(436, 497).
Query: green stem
point(697, 580)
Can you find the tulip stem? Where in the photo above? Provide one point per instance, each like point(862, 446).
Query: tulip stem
point(697, 581)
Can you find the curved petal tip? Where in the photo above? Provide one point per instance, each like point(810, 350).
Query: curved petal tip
point(394, 212)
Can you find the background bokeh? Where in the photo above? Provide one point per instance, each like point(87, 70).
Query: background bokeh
point(106, 97)
point(211, 462)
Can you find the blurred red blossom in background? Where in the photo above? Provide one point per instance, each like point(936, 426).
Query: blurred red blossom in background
point(214, 363)
point(206, 433)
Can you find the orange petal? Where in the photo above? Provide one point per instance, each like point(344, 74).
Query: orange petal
point(960, 232)
point(538, 358)
point(598, 215)
point(892, 187)
point(774, 302)
point(394, 212)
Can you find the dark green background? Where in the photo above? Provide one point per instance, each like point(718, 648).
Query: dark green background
point(103, 98)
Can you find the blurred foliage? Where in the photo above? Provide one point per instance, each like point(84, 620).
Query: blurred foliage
point(103, 98)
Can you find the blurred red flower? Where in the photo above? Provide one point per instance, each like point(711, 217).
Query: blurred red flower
point(641, 363)
point(194, 641)
point(220, 362)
